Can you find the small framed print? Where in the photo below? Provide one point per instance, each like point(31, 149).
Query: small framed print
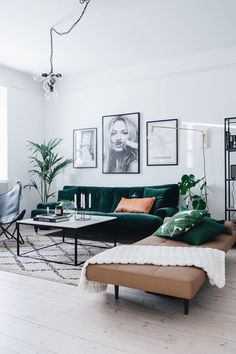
point(85, 148)
point(120, 143)
point(162, 142)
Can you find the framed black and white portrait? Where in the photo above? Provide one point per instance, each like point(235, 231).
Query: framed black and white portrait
point(121, 143)
point(162, 142)
point(85, 148)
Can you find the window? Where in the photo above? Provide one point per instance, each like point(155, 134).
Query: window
point(3, 134)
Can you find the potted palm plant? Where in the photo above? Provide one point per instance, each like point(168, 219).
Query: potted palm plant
point(46, 165)
point(187, 188)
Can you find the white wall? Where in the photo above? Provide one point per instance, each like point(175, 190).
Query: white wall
point(26, 110)
point(199, 91)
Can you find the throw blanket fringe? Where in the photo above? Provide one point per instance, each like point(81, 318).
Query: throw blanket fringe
point(212, 261)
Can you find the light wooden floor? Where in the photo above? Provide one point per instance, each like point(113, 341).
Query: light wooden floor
point(43, 317)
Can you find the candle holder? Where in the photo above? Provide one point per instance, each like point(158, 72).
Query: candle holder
point(84, 214)
point(76, 215)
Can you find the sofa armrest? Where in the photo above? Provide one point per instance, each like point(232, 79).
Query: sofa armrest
point(51, 205)
point(165, 212)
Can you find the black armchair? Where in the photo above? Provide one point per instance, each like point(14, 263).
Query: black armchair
point(10, 211)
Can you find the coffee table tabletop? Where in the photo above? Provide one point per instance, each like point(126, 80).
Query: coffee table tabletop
point(73, 223)
point(70, 224)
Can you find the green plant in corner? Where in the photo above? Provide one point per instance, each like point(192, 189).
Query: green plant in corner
point(46, 165)
point(187, 187)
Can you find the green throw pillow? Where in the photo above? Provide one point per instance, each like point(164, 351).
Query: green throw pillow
point(180, 222)
point(162, 195)
point(67, 194)
point(203, 232)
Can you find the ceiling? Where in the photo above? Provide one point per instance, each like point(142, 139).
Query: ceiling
point(112, 33)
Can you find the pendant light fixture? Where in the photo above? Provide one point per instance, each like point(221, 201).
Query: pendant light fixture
point(50, 79)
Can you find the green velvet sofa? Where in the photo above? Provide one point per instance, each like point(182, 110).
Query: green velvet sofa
point(128, 227)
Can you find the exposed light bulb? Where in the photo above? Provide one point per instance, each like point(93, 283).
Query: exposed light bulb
point(38, 77)
point(51, 95)
point(50, 79)
point(59, 77)
point(46, 85)
point(49, 82)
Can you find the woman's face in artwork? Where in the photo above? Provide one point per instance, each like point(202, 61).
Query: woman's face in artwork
point(119, 135)
point(85, 140)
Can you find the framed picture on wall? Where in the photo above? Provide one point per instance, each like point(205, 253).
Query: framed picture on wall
point(121, 143)
point(85, 148)
point(162, 142)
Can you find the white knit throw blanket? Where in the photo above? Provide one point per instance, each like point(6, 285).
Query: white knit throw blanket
point(212, 261)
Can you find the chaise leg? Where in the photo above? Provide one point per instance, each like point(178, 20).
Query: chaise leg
point(116, 292)
point(186, 306)
point(36, 229)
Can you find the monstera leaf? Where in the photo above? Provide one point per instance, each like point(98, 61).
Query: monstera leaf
point(189, 182)
point(198, 202)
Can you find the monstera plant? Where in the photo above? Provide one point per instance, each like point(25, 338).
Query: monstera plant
point(45, 166)
point(188, 186)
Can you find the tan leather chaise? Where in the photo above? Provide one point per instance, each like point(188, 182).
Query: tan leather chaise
point(178, 281)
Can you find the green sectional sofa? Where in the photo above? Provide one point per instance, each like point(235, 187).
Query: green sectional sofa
point(128, 227)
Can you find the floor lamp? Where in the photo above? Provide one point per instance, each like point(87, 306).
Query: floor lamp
point(203, 142)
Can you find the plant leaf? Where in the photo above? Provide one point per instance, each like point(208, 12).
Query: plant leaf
point(46, 165)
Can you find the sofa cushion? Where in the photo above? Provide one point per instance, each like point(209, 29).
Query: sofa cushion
point(203, 232)
point(135, 205)
point(180, 222)
point(125, 192)
point(67, 193)
point(101, 197)
point(162, 196)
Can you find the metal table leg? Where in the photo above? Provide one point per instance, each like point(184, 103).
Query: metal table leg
point(76, 242)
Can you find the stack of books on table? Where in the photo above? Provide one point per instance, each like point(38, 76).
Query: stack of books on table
point(51, 218)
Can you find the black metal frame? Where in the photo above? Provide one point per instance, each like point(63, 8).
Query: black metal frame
point(75, 243)
point(7, 233)
point(177, 143)
point(95, 145)
point(228, 179)
point(138, 124)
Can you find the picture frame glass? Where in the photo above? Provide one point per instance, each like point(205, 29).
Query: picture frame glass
point(121, 143)
point(162, 142)
point(85, 148)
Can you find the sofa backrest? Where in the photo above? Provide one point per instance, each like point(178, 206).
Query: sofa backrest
point(106, 199)
point(172, 194)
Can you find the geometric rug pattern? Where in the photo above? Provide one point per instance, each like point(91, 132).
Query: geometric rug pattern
point(41, 268)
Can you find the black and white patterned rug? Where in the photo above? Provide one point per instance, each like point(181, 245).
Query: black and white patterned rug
point(42, 268)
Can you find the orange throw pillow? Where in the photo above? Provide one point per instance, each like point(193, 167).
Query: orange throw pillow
point(135, 205)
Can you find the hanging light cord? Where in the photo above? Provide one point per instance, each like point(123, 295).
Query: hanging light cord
point(52, 29)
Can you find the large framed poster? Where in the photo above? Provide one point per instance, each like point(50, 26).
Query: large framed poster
point(85, 148)
point(162, 142)
point(120, 143)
